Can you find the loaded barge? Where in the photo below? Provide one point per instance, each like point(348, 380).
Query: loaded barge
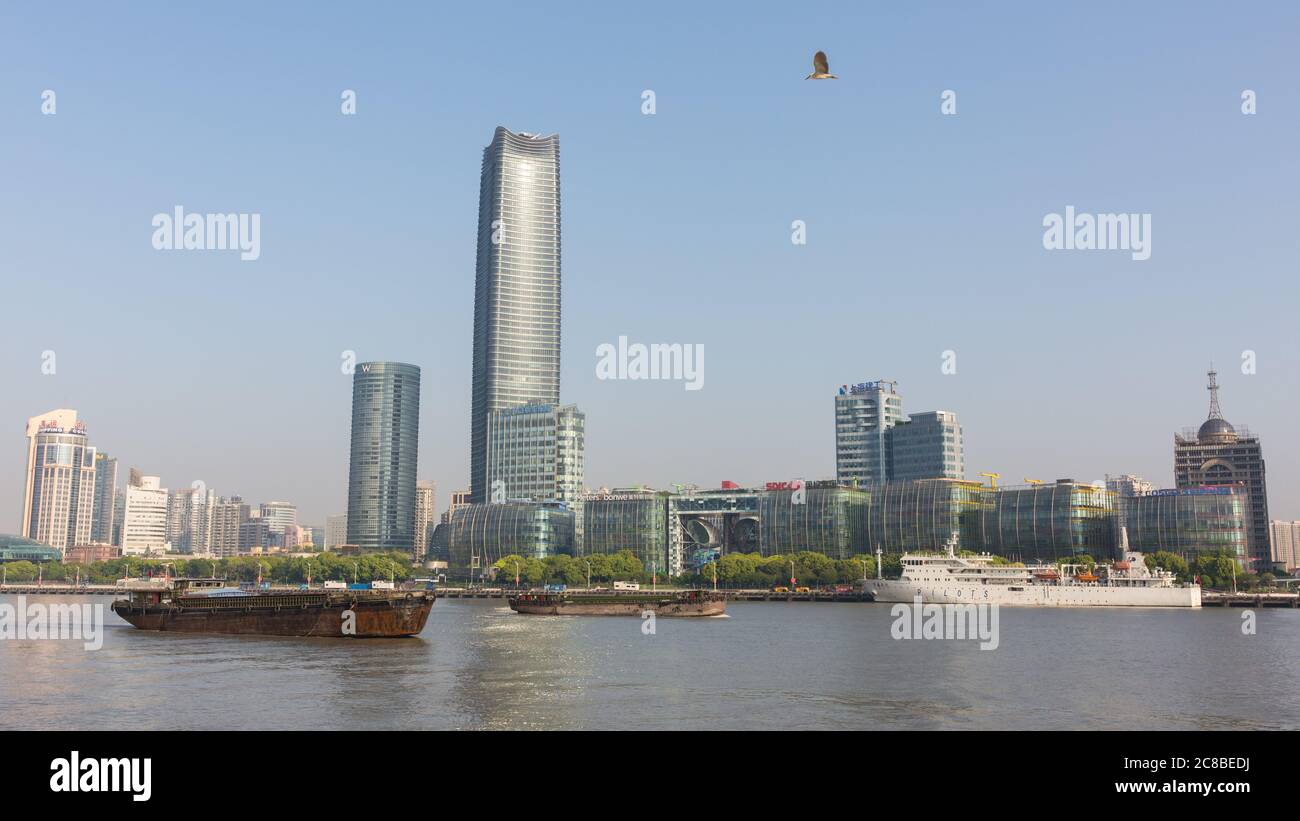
point(620, 603)
point(209, 606)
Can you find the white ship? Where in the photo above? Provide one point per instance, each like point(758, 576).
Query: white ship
point(952, 579)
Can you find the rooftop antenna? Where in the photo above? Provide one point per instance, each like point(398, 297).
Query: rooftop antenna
point(1215, 413)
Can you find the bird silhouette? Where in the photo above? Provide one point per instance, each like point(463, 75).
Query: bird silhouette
point(821, 69)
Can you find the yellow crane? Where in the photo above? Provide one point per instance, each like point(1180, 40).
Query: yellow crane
point(993, 478)
point(1029, 481)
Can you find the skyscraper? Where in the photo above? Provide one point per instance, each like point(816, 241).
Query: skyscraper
point(228, 515)
point(102, 518)
point(927, 446)
point(280, 516)
point(189, 519)
point(59, 500)
point(516, 286)
point(1219, 454)
point(336, 531)
point(385, 442)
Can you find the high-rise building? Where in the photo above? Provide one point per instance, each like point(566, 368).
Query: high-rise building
point(228, 514)
point(59, 501)
point(144, 521)
point(119, 513)
point(1285, 540)
point(927, 446)
point(102, 518)
point(875, 443)
point(1219, 454)
point(516, 286)
point(336, 531)
point(385, 442)
point(535, 454)
point(189, 520)
point(864, 413)
point(426, 500)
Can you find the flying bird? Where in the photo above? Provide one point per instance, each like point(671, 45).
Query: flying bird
point(821, 69)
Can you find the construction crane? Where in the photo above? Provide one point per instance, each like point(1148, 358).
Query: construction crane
point(993, 478)
point(1029, 481)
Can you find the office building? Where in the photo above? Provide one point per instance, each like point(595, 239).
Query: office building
point(385, 450)
point(228, 515)
point(336, 530)
point(516, 287)
point(1285, 542)
point(189, 520)
point(1188, 521)
point(927, 446)
point(479, 535)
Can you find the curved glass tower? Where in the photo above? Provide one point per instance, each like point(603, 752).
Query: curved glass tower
point(385, 441)
point(516, 286)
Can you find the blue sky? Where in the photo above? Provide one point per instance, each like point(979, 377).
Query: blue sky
point(924, 231)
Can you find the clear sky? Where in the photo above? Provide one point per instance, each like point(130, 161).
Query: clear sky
point(924, 231)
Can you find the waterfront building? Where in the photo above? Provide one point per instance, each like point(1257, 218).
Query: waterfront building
point(705, 524)
point(22, 549)
point(479, 535)
point(516, 287)
point(336, 531)
point(922, 515)
point(823, 517)
point(59, 499)
point(1045, 522)
point(426, 500)
point(144, 520)
point(385, 442)
point(1284, 538)
point(119, 512)
point(1188, 521)
point(102, 519)
point(631, 519)
point(1218, 453)
point(256, 536)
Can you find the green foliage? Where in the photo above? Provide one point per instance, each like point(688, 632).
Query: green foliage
point(752, 570)
point(572, 570)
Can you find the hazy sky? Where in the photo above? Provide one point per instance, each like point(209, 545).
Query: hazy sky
point(924, 231)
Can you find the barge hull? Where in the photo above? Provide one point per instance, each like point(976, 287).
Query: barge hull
point(369, 619)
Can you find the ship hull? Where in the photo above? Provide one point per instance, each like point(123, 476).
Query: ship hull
point(713, 607)
point(1034, 595)
point(385, 618)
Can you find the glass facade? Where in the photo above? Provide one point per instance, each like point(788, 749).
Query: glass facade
point(1045, 522)
point(927, 446)
point(517, 286)
point(824, 519)
point(921, 516)
point(62, 486)
point(1189, 521)
point(536, 453)
point(627, 521)
point(102, 517)
point(385, 441)
point(479, 535)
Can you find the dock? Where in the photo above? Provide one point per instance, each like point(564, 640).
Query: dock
point(1215, 598)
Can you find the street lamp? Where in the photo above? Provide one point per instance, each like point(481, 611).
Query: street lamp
point(516, 561)
point(588, 563)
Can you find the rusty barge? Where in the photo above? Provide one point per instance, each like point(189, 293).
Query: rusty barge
point(209, 606)
point(620, 603)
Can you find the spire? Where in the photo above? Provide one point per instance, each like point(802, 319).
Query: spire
point(1215, 413)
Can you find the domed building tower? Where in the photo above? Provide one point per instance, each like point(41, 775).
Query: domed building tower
point(1218, 454)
